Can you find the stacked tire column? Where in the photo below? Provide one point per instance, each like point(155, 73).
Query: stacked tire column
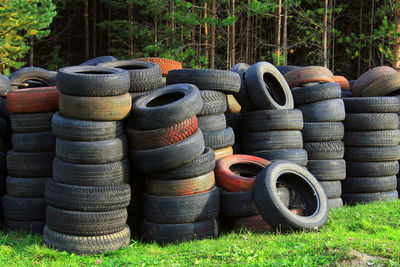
point(214, 86)
point(181, 202)
point(29, 164)
point(319, 98)
point(89, 193)
point(372, 149)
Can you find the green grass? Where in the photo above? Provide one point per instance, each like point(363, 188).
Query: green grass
point(372, 229)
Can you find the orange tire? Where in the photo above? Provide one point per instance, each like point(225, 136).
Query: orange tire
point(310, 74)
point(237, 172)
point(165, 64)
point(33, 100)
point(223, 152)
point(343, 82)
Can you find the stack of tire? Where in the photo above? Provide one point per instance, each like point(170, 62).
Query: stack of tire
point(372, 149)
point(181, 202)
point(214, 86)
point(165, 64)
point(319, 98)
point(29, 164)
point(89, 193)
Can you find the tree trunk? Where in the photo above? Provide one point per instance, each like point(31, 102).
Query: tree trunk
point(248, 35)
point(94, 28)
point(228, 42)
point(333, 36)
point(109, 18)
point(285, 17)
point(359, 35)
point(371, 33)
point(130, 18)
point(31, 52)
point(396, 51)
point(325, 53)
point(233, 50)
point(278, 32)
point(86, 17)
point(206, 32)
point(212, 50)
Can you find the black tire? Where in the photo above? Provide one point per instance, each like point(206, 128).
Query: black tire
point(34, 142)
point(214, 102)
point(219, 139)
point(206, 79)
point(24, 208)
point(110, 174)
point(29, 123)
point(234, 120)
point(85, 223)
point(212, 122)
point(271, 140)
point(268, 89)
point(78, 130)
point(167, 106)
point(372, 169)
point(26, 187)
point(32, 73)
point(328, 170)
point(324, 150)
point(390, 153)
point(335, 203)
point(285, 69)
point(96, 152)
point(298, 156)
point(3, 163)
point(181, 209)
point(241, 204)
point(323, 131)
point(372, 138)
point(88, 245)
point(5, 85)
point(199, 166)
point(169, 157)
point(176, 233)
point(355, 185)
point(371, 121)
point(316, 93)
point(98, 60)
point(372, 105)
point(270, 120)
point(34, 227)
point(87, 198)
point(30, 165)
point(136, 96)
point(333, 189)
point(3, 108)
point(303, 183)
point(323, 111)
point(243, 96)
point(92, 81)
point(346, 94)
point(353, 199)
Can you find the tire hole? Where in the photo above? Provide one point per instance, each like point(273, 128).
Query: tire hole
point(246, 169)
point(274, 89)
point(94, 72)
point(131, 67)
point(165, 99)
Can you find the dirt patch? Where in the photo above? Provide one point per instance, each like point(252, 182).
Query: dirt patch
point(357, 258)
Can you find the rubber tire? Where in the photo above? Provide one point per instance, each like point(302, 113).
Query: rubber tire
point(169, 157)
point(165, 64)
point(214, 102)
point(271, 140)
point(219, 139)
point(233, 105)
point(206, 79)
point(372, 169)
point(196, 167)
point(383, 86)
point(333, 189)
point(243, 96)
point(98, 60)
point(33, 100)
point(26, 187)
point(390, 153)
point(371, 121)
point(272, 120)
point(324, 150)
point(85, 223)
point(274, 211)
point(23, 208)
point(87, 245)
point(323, 111)
point(372, 138)
point(181, 209)
point(372, 105)
point(30, 123)
point(223, 152)
point(356, 185)
point(30, 165)
point(285, 69)
point(34, 227)
point(335, 203)
point(369, 77)
point(166, 114)
point(212, 122)
point(80, 130)
point(352, 199)
point(298, 156)
point(32, 73)
point(3, 108)
point(328, 170)
point(234, 120)
point(323, 131)
point(316, 93)
point(34, 142)
point(87, 198)
point(182, 232)
point(342, 81)
point(309, 74)
point(5, 85)
point(110, 174)
point(268, 88)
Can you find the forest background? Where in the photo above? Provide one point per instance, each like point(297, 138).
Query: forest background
point(349, 37)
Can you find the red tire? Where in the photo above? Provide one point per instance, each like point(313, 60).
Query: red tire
point(237, 172)
point(142, 140)
point(165, 64)
point(33, 100)
point(343, 82)
point(310, 74)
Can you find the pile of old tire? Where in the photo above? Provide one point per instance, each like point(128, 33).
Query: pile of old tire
point(214, 86)
point(165, 64)
point(319, 98)
point(29, 164)
point(181, 202)
point(144, 76)
point(89, 193)
point(372, 149)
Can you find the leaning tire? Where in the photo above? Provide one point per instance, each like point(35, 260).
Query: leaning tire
point(32, 73)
